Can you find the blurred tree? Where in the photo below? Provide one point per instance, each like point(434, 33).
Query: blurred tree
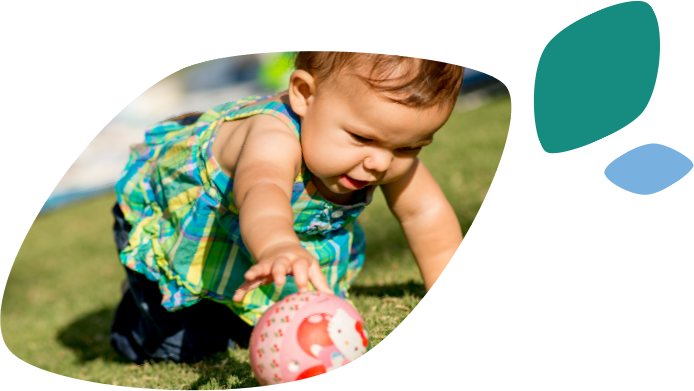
point(275, 69)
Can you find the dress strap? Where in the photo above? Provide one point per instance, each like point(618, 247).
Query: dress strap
point(274, 108)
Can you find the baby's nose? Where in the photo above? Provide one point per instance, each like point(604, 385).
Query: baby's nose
point(378, 161)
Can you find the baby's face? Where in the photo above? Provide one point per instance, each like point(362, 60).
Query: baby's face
point(353, 136)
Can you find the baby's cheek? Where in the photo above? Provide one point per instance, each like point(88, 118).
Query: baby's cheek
point(331, 161)
point(312, 155)
point(398, 169)
point(315, 161)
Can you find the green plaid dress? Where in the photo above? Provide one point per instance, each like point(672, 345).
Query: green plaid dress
point(186, 234)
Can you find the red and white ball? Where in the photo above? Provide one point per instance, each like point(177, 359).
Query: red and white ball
point(304, 335)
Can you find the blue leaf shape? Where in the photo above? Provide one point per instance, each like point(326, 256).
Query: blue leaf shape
point(648, 169)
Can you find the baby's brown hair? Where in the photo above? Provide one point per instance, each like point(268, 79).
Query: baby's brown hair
point(425, 83)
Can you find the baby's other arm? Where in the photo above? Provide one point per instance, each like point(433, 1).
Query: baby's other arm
point(268, 162)
point(427, 218)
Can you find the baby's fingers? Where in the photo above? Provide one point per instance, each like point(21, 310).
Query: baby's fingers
point(280, 269)
point(318, 279)
point(300, 273)
point(241, 292)
point(259, 270)
point(248, 286)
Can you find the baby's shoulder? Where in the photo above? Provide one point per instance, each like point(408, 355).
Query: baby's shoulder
point(269, 136)
point(266, 123)
point(272, 115)
point(253, 137)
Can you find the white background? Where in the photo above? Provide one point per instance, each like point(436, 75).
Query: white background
point(564, 281)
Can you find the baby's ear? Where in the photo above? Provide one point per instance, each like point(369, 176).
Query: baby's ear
point(302, 90)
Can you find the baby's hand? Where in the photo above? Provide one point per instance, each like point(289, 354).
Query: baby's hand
point(277, 262)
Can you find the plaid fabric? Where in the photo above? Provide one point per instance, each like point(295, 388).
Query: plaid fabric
point(186, 232)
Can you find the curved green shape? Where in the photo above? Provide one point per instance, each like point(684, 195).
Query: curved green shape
point(596, 76)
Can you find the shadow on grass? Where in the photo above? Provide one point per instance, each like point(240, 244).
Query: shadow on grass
point(88, 337)
point(216, 370)
point(390, 290)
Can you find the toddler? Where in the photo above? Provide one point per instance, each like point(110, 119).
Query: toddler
point(221, 214)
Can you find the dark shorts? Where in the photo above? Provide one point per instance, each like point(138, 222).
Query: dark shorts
point(143, 330)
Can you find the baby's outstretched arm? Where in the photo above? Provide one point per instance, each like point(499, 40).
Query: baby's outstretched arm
point(427, 218)
point(264, 173)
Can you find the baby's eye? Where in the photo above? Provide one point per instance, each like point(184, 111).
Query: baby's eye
point(360, 138)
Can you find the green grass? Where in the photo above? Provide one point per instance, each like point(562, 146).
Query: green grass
point(66, 280)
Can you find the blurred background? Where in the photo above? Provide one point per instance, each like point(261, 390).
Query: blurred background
point(199, 88)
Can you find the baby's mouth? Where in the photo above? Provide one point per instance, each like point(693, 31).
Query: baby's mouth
point(352, 183)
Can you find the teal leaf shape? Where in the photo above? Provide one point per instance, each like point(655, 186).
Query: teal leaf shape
point(596, 76)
